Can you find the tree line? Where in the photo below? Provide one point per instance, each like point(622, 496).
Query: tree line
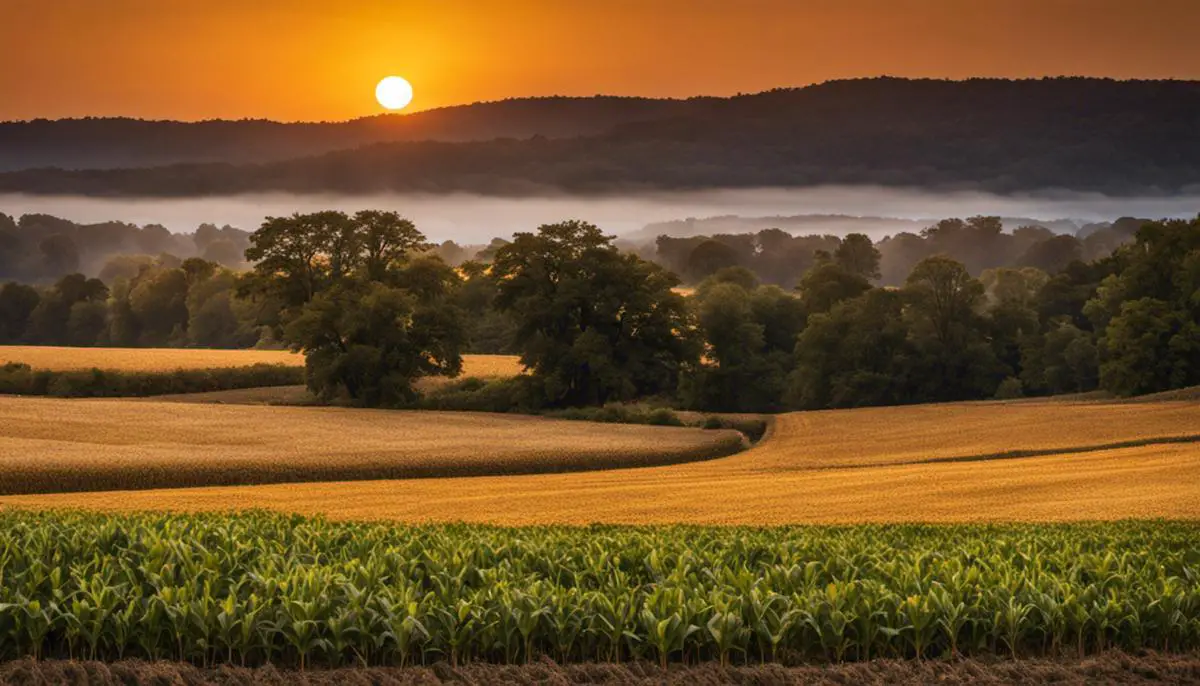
point(374, 307)
point(780, 258)
point(36, 248)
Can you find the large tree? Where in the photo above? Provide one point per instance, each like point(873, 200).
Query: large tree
point(955, 357)
point(370, 316)
point(593, 325)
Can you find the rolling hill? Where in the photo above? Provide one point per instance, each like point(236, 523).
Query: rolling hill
point(1116, 137)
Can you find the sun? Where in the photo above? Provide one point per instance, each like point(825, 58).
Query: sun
point(394, 93)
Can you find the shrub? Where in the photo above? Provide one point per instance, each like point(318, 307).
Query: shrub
point(1010, 389)
point(20, 379)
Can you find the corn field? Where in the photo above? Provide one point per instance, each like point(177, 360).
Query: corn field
point(259, 588)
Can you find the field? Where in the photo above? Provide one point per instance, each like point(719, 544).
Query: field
point(967, 462)
point(228, 589)
point(82, 445)
point(170, 359)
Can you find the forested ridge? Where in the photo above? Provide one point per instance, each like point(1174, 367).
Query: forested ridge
point(774, 321)
point(1117, 137)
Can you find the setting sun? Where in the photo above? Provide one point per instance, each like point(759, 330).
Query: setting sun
point(394, 93)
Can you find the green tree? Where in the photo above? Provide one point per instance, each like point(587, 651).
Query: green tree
point(370, 316)
point(858, 255)
point(750, 332)
point(1150, 347)
point(829, 283)
point(593, 324)
point(17, 303)
point(708, 258)
point(856, 354)
point(371, 342)
point(158, 303)
point(49, 322)
point(945, 325)
point(1146, 312)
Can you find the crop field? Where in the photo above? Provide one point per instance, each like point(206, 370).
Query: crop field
point(141, 359)
point(968, 462)
point(82, 445)
point(169, 359)
point(251, 589)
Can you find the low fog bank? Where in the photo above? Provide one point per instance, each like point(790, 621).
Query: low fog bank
point(467, 218)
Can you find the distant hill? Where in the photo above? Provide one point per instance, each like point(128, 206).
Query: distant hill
point(108, 143)
point(1117, 137)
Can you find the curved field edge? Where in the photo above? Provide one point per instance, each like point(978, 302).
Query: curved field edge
point(1112, 667)
point(61, 446)
point(787, 478)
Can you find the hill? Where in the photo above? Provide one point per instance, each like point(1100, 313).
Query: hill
point(107, 143)
point(1116, 137)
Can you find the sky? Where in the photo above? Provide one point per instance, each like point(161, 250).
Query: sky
point(314, 60)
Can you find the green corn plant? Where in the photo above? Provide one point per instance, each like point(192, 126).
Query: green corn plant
point(952, 617)
point(919, 624)
point(727, 630)
point(663, 622)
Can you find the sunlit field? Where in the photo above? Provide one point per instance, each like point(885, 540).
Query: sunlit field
point(52, 445)
point(169, 359)
point(969, 462)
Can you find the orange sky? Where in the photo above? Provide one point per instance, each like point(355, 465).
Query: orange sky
point(309, 59)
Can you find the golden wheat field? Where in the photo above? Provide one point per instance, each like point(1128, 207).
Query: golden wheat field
point(940, 463)
point(170, 359)
point(51, 445)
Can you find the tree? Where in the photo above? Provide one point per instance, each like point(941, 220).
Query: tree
point(158, 302)
point(1053, 254)
point(956, 360)
point(17, 303)
point(87, 323)
point(856, 354)
point(858, 255)
point(593, 325)
point(372, 341)
point(750, 332)
point(387, 239)
point(1063, 360)
point(1011, 300)
point(708, 258)
point(829, 283)
point(59, 255)
point(1146, 312)
point(49, 322)
point(216, 317)
point(1150, 347)
point(369, 317)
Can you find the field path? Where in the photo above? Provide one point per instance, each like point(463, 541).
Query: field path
point(869, 465)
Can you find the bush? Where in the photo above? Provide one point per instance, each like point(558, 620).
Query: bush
point(615, 413)
point(1010, 389)
point(477, 395)
point(20, 379)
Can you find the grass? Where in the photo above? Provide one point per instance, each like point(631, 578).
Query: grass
point(870, 465)
point(49, 445)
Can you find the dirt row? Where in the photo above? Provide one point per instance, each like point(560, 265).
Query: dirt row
point(1110, 668)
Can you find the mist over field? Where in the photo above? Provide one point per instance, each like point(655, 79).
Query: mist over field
point(469, 218)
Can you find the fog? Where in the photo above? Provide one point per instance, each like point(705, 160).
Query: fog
point(476, 219)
